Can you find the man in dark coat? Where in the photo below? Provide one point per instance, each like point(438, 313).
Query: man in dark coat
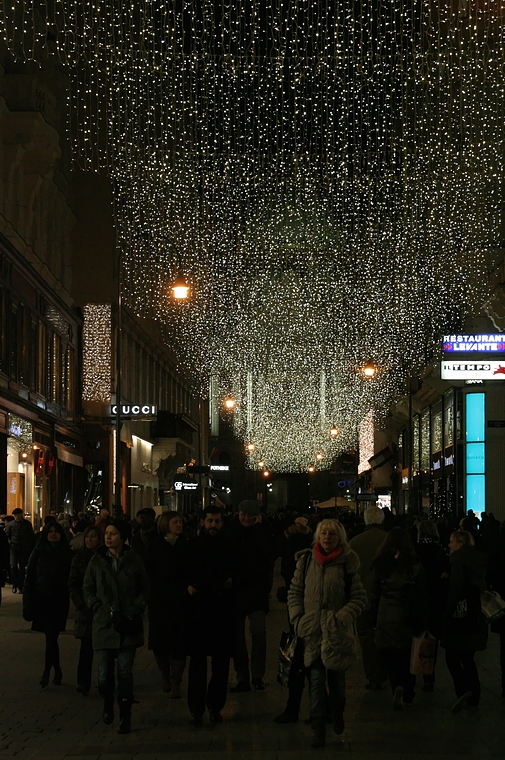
point(148, 533)
point(209, 616)
point(256, 549)
point(21, 541)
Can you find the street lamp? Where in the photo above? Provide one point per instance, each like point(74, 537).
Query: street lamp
point(334, 431)
point(319, 456)
point(230, 403)
point(369, 369)
point(250, 447)
point(180, 288)
point(311, 468)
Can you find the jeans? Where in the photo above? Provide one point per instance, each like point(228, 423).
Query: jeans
point(18, 569)
point(464, 673)
point(85, 664)
point(213, 696)
point(106, 684)
point(397, 663)
point(318, 698)
point(258, 628)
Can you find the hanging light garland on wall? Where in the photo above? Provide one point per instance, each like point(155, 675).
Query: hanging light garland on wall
point(326, 177)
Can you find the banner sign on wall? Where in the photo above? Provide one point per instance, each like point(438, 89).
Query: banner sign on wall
point(467, 370)
point(465, 344)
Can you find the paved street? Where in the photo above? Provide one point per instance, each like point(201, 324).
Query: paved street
point(58, 723)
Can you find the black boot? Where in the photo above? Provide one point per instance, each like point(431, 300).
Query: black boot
point(319, 728)
point(163, 663)
point(125, 715)
point(108, 709)
point(337, 715)
point(58, 675)
point(44, 681)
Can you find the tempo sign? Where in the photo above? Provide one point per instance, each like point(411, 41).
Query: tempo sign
point(464, 344)
point(135, 410)
point(472, 370)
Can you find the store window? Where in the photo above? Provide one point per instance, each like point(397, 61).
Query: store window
point(416, 427)
point(425, 441)
point(42, 360)
point(449, 419)
point(436, 428)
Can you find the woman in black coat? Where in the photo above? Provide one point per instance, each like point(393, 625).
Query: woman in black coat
point(46, 597)
point(165, 564)
point(398, 603)
point(464, 629)
point(92, 538)
point(496, 577)
point(436, 565)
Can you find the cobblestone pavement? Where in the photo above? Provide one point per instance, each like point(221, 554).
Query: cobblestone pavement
point(58, 723)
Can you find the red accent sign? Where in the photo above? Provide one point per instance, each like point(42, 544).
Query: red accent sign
point(49, 465)
point(39, 462)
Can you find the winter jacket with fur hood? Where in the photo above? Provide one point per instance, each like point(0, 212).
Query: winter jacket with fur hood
point(319, 611)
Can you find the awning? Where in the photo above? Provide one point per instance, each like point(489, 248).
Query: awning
point(341, 502)
point(67, 456)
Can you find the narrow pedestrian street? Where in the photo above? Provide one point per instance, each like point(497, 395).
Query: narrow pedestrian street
point(58, 723)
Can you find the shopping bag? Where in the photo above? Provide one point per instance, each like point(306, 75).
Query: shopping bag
point(492, 606)
point(287, 648)
point(422, 654)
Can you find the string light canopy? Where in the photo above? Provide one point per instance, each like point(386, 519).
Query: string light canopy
point(327, 176)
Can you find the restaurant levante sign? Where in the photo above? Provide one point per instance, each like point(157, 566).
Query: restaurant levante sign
point(472, 344)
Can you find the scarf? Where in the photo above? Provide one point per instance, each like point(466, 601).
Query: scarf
point(325, 559)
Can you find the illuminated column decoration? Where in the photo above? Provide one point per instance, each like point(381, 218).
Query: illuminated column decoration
point(214, 406)
point(249, 397)
point(322, 413)
point(97, 352)
point(366, 442)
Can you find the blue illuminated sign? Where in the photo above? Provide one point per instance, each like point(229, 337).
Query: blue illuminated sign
point(466, 344)
point(475, 451)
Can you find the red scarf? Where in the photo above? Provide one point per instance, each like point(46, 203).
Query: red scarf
point(325, 559)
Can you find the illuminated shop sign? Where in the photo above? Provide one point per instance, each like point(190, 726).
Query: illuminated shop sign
point(135, 410)
point(220, 467)
point(471, 343)
point(180, 485)
point(473, 370)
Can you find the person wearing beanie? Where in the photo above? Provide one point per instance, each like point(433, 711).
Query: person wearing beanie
point(116, 589)
point(256, 548)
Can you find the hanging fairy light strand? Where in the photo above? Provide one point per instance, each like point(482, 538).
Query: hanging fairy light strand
point(327, 177)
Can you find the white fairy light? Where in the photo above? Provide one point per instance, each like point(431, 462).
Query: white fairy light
point(327, 180)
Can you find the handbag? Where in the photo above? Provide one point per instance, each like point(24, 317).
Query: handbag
point(422, 654)
point(492, 606)
point(287, 647)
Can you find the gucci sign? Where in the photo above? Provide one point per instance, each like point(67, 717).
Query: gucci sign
point(134, 410)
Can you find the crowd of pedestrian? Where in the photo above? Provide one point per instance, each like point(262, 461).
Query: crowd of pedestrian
point(379, 580)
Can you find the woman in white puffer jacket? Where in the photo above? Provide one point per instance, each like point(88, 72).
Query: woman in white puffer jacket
point(325, 598)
